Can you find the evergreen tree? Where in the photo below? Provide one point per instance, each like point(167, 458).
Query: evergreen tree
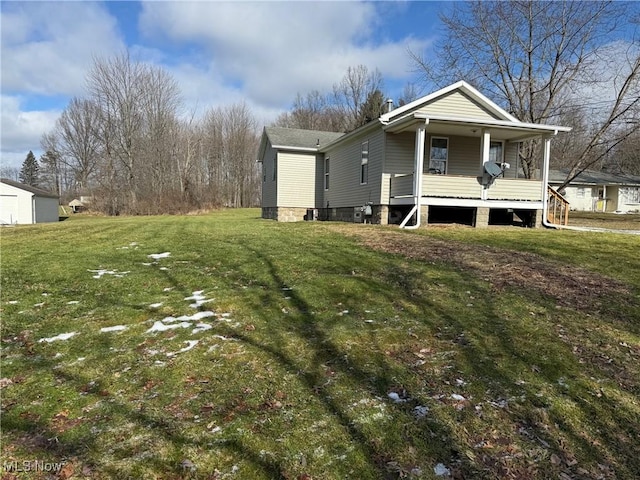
point(372, 108)
point(29, 170)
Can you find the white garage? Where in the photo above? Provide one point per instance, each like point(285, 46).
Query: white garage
point(24, 204)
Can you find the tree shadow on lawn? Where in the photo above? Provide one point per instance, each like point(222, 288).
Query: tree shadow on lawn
point(487, 347)
point(569, 419)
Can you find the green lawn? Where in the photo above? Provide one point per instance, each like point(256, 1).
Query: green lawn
point(254, 349)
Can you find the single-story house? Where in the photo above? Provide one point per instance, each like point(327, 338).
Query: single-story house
point(81, 204)
point(24, 204)
point(450, 154)
point(593, 191)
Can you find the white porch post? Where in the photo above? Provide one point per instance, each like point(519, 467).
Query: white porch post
point(485, 144)
point(417, 176)
point(419, 164)
point(546, 155)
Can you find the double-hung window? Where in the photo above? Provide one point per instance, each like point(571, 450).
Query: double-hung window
point(438, 155)
point(326, 174)
point(496, 152)
point(364, 163)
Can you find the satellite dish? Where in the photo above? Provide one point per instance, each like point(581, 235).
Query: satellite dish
point(492, 169)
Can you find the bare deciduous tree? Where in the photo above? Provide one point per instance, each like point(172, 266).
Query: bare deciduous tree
point(74, 140)
point(531, 57)
point(354, 101)
point(351, 94)
point(138, 105)
point(230, 141)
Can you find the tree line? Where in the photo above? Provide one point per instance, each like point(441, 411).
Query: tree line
point(129, 144)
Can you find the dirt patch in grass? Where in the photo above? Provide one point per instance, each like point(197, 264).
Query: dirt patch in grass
point(568, 285)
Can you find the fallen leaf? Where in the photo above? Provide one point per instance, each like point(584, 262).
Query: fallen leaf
point(66, 471)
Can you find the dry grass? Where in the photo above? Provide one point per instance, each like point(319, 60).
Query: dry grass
point(330, 351)
point(614, 221)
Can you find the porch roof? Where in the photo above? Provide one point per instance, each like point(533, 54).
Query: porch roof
point(472, 127)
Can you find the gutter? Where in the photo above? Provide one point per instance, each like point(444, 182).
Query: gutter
point(545, 187)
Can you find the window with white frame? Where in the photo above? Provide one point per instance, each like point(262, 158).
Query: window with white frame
point(580, 192)
point(326, 174)
point(496, 152)
point(438, 155)
point(630, 194)
point(364, 163)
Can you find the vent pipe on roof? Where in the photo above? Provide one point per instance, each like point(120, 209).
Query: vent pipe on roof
point(389, 105)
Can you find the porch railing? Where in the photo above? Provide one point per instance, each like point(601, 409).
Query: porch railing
point(557, 208)
point(458, 186)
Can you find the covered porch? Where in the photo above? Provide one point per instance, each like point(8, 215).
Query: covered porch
point(466, 163)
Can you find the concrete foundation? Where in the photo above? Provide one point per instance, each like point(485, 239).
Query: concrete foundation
point(482, 217)
point(284, 214)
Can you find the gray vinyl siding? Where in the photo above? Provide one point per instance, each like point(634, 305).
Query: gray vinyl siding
point(345, 189)
point(464, 156)
point(296, 179)
point(399, 158)
point(319, 192)
point(511, 157)
point(269, 187)
point(457, 104)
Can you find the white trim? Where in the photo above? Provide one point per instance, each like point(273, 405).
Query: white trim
point(364, 161)
point(501, 142)
point(421, 137)
point(326, 172)
point(469, 202)
point(446, 161)
point(538, 128)
point(296, 149)
point(462, 86)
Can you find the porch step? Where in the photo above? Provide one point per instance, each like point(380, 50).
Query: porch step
point(557, 208)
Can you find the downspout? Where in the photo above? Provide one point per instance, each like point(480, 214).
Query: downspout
point(545, 182)
point(417, 177)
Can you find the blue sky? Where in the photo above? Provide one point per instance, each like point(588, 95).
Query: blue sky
point(220, 53)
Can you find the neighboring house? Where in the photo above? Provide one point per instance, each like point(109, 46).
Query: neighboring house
point(463, 147)
point(24, 204)
point(593, 191)
point(80, 205)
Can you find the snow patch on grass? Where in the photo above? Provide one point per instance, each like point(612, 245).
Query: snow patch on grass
point(62, 336)
point(158, 256)
point(190, 345)
point(102, 272)
point(115, 328)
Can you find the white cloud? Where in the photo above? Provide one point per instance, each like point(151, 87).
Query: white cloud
point(46, 50)
point(262, 53)
point(21, 130)
point(271, 51)
point(47, 47)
